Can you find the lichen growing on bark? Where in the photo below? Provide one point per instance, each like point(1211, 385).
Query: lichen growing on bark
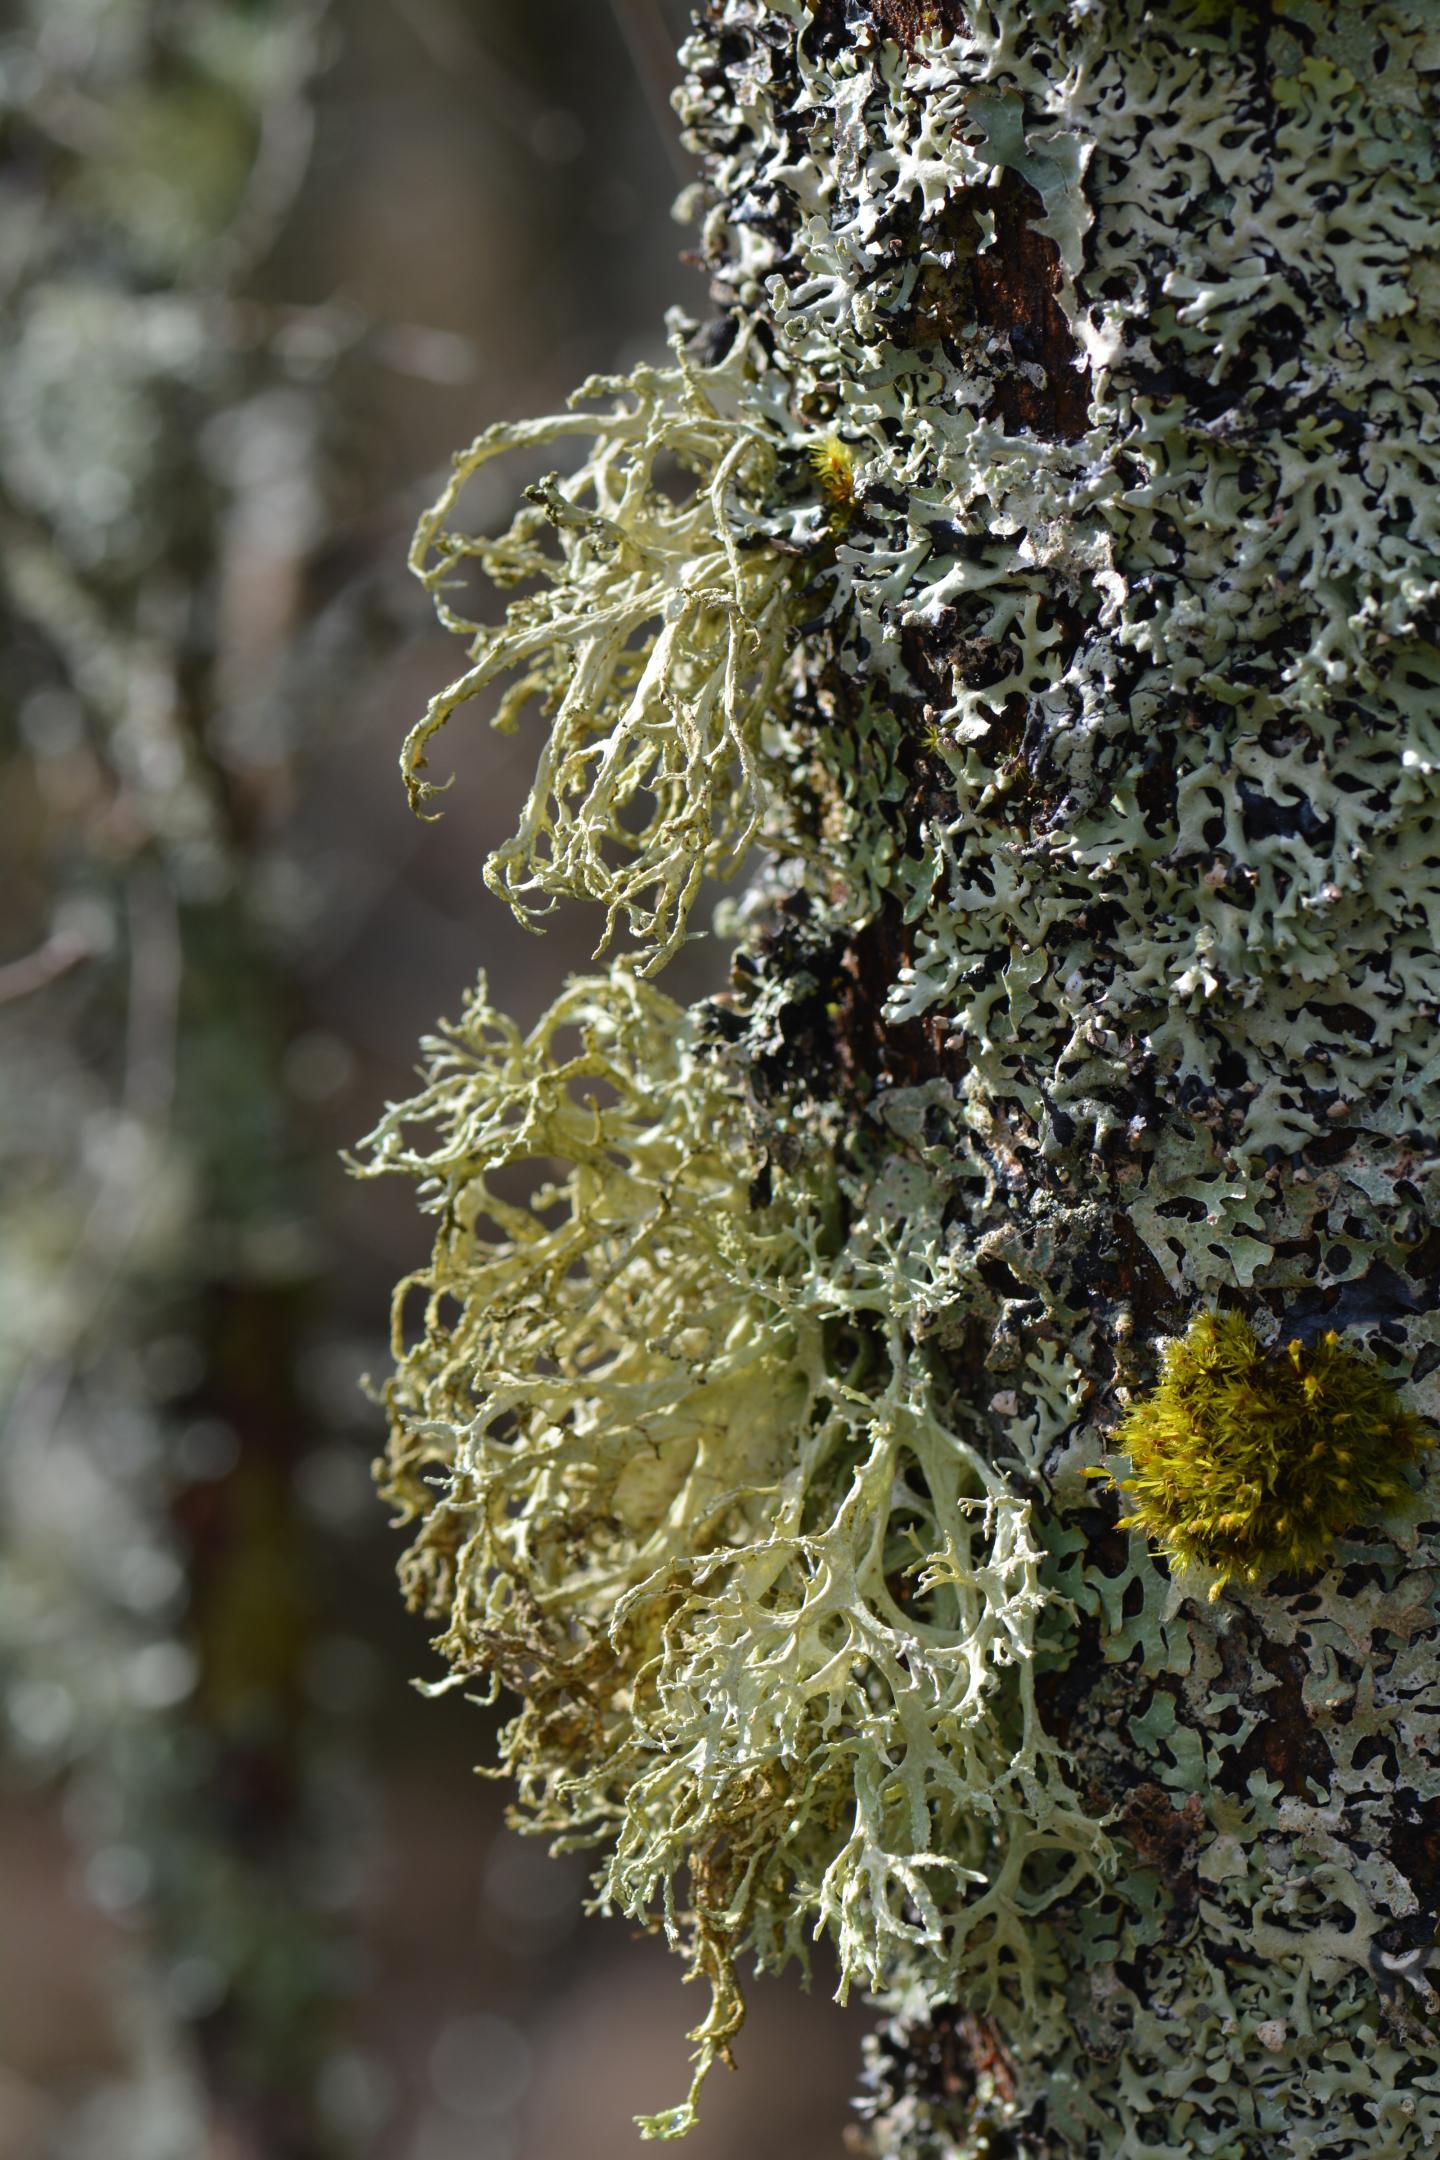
point(1089, 986)
point(687, 1485)
point(653, 643)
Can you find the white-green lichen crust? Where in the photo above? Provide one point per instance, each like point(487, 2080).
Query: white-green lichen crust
point(1164, 887)
point(1198, 764)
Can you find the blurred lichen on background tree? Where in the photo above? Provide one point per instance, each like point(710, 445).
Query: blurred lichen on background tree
point(163, 479)
point(1065, 612)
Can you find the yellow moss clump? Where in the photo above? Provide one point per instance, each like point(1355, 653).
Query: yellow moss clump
point(1250, 1461)
point(834, 469)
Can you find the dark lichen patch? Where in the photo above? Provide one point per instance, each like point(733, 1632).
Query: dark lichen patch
point(1414, 1848)
point(909, 21)
point(1166, 1836)
point(959, 2075)
point(1284, 1742)
point(836, 24)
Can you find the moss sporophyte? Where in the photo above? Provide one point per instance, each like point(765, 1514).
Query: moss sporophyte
point(1251, 1461)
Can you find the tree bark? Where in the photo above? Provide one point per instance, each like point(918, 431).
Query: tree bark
point(1084, 360)
point(1257, 1975)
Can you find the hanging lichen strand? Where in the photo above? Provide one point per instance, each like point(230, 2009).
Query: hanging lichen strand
point(1056, 596)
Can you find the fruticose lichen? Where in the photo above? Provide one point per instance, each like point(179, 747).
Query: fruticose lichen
point(1089, 985)
point(1249, 1462)
point(653, 644)
point(770, 1612)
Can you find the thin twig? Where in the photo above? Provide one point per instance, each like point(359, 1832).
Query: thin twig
point(454, 42)
point(282, 157)
point(118, 1214)
point(152, 1019)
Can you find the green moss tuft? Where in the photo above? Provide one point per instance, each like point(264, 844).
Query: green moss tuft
point(1250, 1461)
point(834, 468)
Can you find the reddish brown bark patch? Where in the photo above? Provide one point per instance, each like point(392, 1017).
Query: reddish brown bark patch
point(1017, 288)
point(907, 21)
point(871, 1051)
point(1166, 1837)
point(1285, 1744)
point(1010, 288)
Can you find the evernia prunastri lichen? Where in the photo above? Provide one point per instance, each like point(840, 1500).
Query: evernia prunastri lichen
point(683, 1483)
point(652, 642)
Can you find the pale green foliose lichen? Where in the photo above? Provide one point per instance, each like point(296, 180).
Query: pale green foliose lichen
point(1090, 984)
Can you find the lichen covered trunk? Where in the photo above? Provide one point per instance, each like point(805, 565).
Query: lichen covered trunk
point(1059, 590)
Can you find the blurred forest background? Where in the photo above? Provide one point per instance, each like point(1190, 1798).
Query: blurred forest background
point(263, 265)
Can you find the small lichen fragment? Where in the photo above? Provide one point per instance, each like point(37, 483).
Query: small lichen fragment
point(1250, 1462)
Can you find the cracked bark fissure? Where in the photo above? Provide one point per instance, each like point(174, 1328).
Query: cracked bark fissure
point(1010, 288)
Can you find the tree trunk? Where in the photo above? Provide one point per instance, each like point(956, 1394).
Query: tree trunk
point(1090, 359)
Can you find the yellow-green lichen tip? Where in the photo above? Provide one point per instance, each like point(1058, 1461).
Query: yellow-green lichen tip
point(1250, 1462)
